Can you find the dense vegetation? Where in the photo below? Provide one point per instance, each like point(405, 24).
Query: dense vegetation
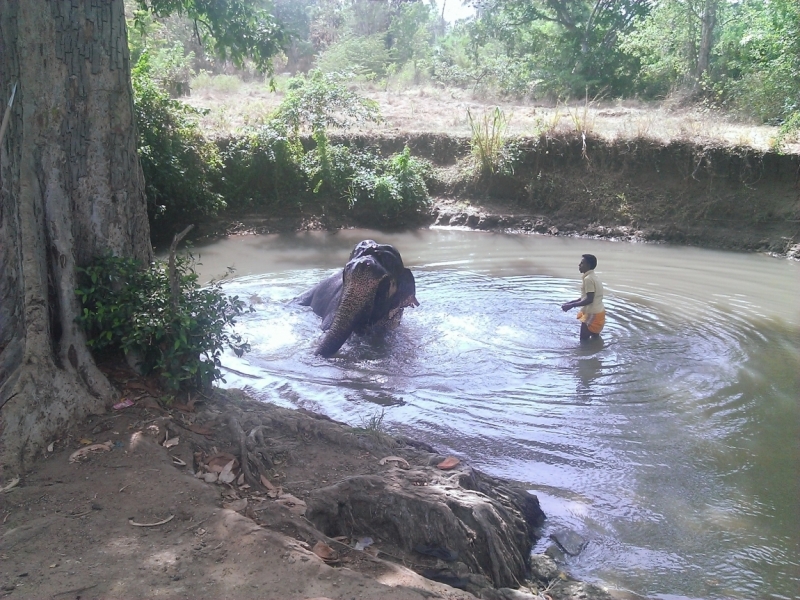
point(162, 319)
point(738, 56)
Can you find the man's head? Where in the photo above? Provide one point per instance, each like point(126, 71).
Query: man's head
point(588, 262)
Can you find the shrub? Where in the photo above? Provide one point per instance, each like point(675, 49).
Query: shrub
point(179, 164)
point(263, 168)
point(128, 308)
point(364, 56)
point(394, 188)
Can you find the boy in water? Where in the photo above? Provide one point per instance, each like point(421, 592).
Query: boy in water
point(592, 314)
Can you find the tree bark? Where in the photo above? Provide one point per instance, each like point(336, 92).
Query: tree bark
point(71, 188)
point(708, 21)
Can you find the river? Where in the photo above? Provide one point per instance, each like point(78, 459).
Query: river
point(672, 445)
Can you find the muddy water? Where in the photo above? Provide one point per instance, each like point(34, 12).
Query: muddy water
point(672, 445)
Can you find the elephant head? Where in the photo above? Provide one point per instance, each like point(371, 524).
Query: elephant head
point(371, 291)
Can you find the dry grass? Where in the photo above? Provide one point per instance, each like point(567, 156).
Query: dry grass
point(435, 110)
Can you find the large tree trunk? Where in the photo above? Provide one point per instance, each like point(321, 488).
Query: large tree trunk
point(70, 188)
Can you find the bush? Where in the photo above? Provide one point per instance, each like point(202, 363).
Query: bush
point(127, 308)
point(365, 56)
point(179, 164)
point(263, 168)
point(394, 188)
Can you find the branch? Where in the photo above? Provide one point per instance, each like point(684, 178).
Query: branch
point(174, 283)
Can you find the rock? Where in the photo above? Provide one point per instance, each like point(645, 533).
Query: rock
point(569, 541)
point(472, 221)
point(488, 522)
point(543, 567)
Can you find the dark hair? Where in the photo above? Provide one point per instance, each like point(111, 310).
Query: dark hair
point(591, 259)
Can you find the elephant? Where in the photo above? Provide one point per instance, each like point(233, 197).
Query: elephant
point(371, 291)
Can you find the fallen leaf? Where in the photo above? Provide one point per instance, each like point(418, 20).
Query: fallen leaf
point(51, 447)
point(210, 477)
point(448, 463)
point(240, 481)
point(84, 452)
point(237, 505)
point(169, 443)
point(401, 462)
point(217, 462)
point(325, 552)
point(267, 483)
point(178, 461)
point(84, 441)
point(226, 475)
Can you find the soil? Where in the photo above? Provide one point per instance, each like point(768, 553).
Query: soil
point(125, 506)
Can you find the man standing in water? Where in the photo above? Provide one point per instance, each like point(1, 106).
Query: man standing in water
point(592, 314)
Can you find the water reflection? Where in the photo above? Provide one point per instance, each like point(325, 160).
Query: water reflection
point(671, 443)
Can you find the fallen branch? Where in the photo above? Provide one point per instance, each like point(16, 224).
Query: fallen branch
point(135, 524)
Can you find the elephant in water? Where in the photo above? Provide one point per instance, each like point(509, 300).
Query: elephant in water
point(371, 291)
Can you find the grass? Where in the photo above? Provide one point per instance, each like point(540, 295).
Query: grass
point(436, 110)
point(374, 423)
point(488, 140)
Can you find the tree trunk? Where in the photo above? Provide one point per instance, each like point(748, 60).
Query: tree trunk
point(708, 22)
point(71, 188)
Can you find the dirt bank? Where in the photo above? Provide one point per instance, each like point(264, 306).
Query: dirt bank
point(150, 500)
point(734, 198)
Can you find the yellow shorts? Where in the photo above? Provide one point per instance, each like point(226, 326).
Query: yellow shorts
point(594, 323)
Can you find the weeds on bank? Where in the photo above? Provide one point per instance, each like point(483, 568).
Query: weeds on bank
point(583, 117)
point(374, 423)
point(548, 124)
point(488, 143)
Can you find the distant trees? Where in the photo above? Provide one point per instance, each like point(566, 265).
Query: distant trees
point(740, 55)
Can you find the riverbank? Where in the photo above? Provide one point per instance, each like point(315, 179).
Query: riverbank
point(721, 197)
point(153, 500)
point(655, 172)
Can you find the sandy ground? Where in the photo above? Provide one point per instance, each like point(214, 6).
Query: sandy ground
point(431, 109)
point(131, 520)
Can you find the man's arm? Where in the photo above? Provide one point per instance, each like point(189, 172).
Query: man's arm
point(576, 303)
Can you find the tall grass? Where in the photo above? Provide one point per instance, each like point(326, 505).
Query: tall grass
point(488, 140)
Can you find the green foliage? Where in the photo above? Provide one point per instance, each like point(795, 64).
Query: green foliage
point(128, 308)
point(263, 168)
point(367, 56)
point(269, 165)
point(758, 64)
point(789, 130)
point(322, 100)
point(237, 29)
point(392, 188)
point(179, 164)
point(316, 103)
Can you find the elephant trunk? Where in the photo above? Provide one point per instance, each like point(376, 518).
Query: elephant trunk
point(355, 307)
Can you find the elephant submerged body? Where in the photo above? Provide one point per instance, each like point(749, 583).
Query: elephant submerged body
point(371, 291)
